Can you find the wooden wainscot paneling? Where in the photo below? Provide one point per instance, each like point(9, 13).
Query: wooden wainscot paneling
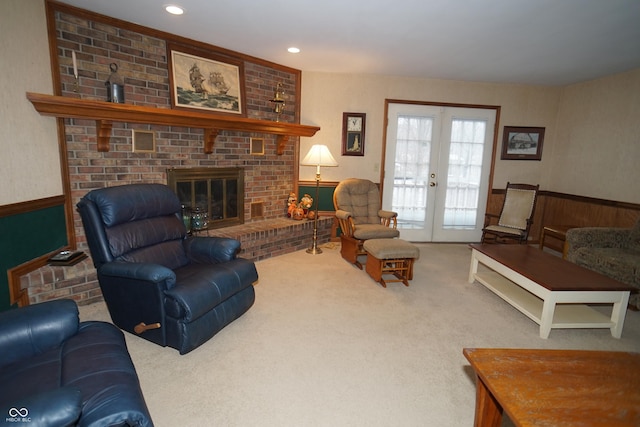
point(566, 209)
point(554, 208)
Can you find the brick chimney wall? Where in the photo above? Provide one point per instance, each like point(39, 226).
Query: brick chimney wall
point(142, 62)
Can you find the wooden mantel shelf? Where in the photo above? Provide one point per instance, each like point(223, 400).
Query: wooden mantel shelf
point(105, 113)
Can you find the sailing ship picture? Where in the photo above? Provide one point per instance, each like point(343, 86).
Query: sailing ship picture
point(205, 83)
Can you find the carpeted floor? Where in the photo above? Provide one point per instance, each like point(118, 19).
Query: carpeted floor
point(324, 345)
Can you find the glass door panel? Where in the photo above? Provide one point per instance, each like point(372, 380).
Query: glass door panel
point(440, 159)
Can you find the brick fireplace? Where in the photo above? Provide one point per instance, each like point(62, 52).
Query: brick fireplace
point(141, 55)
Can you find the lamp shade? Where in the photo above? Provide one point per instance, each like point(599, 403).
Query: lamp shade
point(319, 155)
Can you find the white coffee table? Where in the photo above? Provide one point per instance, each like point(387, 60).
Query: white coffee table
point(549, 290)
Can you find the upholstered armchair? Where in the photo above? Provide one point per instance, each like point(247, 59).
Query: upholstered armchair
point(612, 251)
point(516, 215)
point(159, 283)
point(357, 205)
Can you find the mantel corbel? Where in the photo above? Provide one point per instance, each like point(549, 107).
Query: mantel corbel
point(210, 136)
point(103, 134)
point(282, 142)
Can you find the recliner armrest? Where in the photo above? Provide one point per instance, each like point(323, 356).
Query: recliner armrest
point(56, 408)
point(211, 250)
point(153, 273)
point(32, 330)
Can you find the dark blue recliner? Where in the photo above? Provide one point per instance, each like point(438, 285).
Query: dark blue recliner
point(159, 283)
point(57, 371)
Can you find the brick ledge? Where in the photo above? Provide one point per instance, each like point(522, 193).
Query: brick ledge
point(258, 240)
point(273, 237)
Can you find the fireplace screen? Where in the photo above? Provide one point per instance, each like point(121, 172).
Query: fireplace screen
point(215, 194)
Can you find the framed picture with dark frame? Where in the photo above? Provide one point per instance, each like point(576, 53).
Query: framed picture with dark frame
point(353, 127)
point(522, 143)
point(205, 81)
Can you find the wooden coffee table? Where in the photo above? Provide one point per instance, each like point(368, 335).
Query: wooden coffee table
point(549, 290)
point(556, 387)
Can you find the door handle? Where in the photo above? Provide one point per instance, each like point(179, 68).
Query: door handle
point(432, 184)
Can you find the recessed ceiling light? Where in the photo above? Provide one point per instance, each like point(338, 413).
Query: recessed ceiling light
point(293, 50)
point(174, 10)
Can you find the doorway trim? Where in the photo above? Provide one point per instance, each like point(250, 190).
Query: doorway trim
point(385, 125)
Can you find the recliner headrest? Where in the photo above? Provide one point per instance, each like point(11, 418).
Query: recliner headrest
point(134, 202)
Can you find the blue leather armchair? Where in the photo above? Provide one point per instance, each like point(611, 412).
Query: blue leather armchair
point(56, 371)
point(159, 283)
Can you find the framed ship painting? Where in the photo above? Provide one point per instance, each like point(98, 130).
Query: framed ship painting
point(205, 81)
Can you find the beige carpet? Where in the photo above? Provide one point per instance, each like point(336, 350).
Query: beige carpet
point(324, 345)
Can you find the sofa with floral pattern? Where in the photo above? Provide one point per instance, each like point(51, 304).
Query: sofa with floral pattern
point(614, 252)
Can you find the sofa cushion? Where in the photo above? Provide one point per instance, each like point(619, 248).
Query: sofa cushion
point(96, 361)
point(617, 263)
point(375, 231)
point(32, 375)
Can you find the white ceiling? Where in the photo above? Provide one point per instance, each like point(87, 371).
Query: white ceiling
point(547, 42)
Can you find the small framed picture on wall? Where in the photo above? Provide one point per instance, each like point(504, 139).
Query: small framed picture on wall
point(522, 143)
point(353, 126)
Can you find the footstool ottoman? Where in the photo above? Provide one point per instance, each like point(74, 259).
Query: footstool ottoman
point(390, 256)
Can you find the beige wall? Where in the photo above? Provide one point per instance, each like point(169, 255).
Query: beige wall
point(591, 147)
point(326, 96)
point(28, 142)
point(596, 151)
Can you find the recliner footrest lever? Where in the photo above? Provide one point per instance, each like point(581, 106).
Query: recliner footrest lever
point(143, 327)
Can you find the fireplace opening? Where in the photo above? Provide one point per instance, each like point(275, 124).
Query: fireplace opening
point(215, 194)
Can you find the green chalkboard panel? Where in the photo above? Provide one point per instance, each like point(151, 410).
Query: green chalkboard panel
point(325, 196)
point(26, 236)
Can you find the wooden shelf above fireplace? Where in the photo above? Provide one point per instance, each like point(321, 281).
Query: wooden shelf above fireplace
point(105, 113)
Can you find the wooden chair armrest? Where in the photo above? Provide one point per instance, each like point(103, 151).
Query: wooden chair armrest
point(347, 226)
point(390, 222)
point(488, 217)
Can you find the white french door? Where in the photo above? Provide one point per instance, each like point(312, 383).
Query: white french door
point(436, 172)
